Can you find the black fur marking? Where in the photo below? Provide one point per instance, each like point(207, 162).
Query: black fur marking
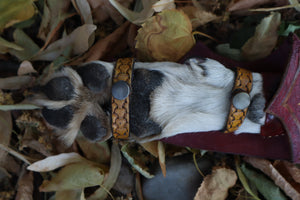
point(256, 108)
point(58, 89)
point(144, 82)
point(59, 118)
point(94, 76)
point(92, 129)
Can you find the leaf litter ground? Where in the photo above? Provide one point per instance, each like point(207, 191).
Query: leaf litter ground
point(38, 37)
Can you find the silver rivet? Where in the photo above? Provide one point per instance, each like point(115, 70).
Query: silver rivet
point(120, 90)
point(241, 100)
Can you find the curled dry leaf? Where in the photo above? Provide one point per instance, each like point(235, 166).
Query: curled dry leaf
point(98, 152)
point(74, 176)
point(26, 68)
point(84, 9)
point(215, 186)
point(103, 9)
point(198, 16)
point(104, 46)
point(110, 180)
point(165, 37)
point(265, 37)
point(78, 41)
point(151, 147)
point(54, 14)
point(135, 17)
point(162, 157)
point(25, 186)
point(53, 162)
point(267, 167)
point(164, 5)
point(15, 11)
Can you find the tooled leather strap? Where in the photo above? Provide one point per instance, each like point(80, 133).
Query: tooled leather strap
point(121, 86)
point(240, 100)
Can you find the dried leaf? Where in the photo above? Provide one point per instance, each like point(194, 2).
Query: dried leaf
point(265, 38)
point(109, 182)
point(25, 186)
point(103, 9)
point(215, 186)
point(29, 48)
point(26, 68)
point(5, 46)
point(137, 160)
point(15, 11)
point(163, 5)
point(135, 17)
point(83, 7)
point(162, 157)
point(104, 46)
point(165, 37)
point(295, 2)
point(198, 16)
point(266, 187)
point(15, 82)
point(54, 14)
point(53, 162)
point(293, 170)
point(5, 134)
point(246, 4)
point(74, 176)
point(151, 147)
point(78, 41)
point(267, 167)
point(98, 152)
point(69, 194)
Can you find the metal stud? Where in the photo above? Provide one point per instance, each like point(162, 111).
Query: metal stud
point(120, 90)
point(241, 100)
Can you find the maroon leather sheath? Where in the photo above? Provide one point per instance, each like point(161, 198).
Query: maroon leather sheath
point(280, 136)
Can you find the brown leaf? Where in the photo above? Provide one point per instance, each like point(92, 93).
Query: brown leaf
point(102, 10)
point(264, 39)
point(151, 147)
point(198, 16)
point(5, 133)
point(105, 46)
point(162, 157)
point(25, 186)
point(293, 170)
point(267, 167)
point(165, 37)
point(215, 186)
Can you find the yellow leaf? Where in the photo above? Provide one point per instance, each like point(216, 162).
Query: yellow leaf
point(14, 11)
point(165, 37)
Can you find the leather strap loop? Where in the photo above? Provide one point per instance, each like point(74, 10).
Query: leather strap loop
point(242, 85)
point(120, 98)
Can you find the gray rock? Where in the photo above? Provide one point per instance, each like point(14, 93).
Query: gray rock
point(181, 182)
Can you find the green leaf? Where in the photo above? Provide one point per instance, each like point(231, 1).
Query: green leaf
point(226, 50)
point(264, 185)
point(243, 180)
point(28, 45)
point(5, 46)
point(14, 11)
point(19, 107)
point(290, 29)
point(74, 176)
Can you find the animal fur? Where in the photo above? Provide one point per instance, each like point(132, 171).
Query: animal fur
point(167, 99)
